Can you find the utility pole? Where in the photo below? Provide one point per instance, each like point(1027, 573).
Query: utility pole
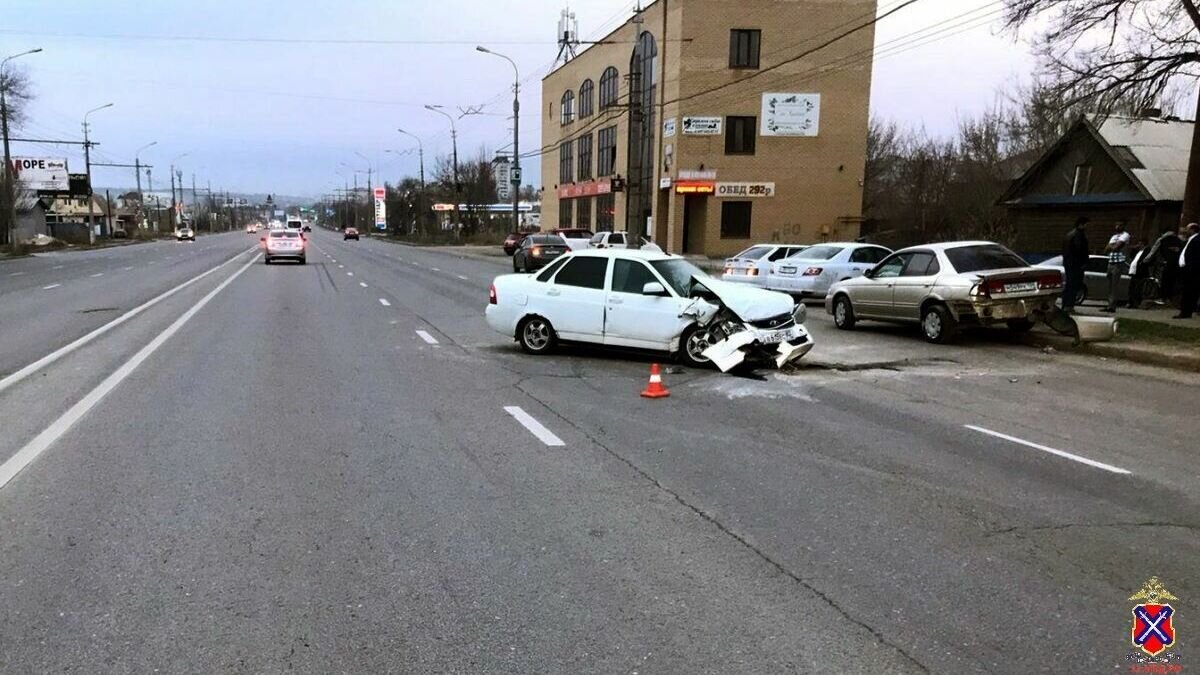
point(457, 185)
point(420, 197)
point(515, 171)
point(137, 172)
point(8, 226)
point(87, 160)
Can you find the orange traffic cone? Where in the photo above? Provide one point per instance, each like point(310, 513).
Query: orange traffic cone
point(655, 389)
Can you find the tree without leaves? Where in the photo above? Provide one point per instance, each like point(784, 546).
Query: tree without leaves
point(1114, 53)
point(17, 93)
point(1119, 52)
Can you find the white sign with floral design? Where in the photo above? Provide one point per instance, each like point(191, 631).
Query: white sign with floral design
point(791, 114)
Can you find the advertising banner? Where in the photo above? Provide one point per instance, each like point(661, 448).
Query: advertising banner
point(48, 174)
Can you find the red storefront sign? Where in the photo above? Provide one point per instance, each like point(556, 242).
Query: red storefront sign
point(589, 188)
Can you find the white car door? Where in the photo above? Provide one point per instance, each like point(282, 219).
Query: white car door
point(637, 320)
point(574, 301)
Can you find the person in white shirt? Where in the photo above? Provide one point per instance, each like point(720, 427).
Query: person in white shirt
point(1139, 270)
point(1116, 250)
point(1189, 270)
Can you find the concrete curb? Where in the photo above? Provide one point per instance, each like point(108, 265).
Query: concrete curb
point(1166, 357)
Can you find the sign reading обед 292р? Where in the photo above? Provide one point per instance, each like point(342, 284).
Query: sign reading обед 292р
point(745, 189)
point(41, 173)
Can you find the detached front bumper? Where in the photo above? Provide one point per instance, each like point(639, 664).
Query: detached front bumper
point(780, 347)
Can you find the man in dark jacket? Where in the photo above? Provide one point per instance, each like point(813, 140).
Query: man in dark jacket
point(1075, 257)
point(1167, 249)
point(1189, 271)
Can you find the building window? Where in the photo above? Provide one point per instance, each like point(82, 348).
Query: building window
point(564, 213)
point(566, 162)
point(1083, 179)
point(744, 47)
point(585, 157)
point(735, 220)
point(568, 107)
point(606, 162)
point(587, 99)
point(608, 88)
point(605, 206)
point(583, 212)
point(740, 134)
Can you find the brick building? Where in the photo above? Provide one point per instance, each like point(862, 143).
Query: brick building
point(708, 125)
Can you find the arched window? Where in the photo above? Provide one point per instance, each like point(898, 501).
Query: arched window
point(568, 107)
point(608, 88)
point(587, 98)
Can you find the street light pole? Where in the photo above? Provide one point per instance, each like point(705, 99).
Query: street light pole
point(515, 172)
point(421, 159)
point(370, 187)
point(8, 231)
point(87, 160)
point(137, 172)
point(454, 144)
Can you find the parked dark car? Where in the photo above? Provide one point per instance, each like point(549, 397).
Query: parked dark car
point(513, 241)
point(537, 251)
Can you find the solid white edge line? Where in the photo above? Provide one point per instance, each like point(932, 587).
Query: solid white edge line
point(384, 302)
point(429, 339)
point(57, 354)
point(1053, 451)
point(26, 455)
point(535, 427)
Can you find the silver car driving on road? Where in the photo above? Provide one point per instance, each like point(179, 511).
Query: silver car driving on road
point(284, 245)
point(946, 286)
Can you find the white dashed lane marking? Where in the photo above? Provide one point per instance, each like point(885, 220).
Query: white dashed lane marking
point(462, 277)
point(535, 427)
point(384, 302)
point(1059, 453)
point(46, 288)
point(362, 284)
point(429, 339)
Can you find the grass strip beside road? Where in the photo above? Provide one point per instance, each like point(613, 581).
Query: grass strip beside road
point(1139, 330)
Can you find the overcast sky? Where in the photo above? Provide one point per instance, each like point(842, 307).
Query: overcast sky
point(261, 116)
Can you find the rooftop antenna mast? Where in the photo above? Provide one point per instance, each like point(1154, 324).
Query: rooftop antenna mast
point(568, 37)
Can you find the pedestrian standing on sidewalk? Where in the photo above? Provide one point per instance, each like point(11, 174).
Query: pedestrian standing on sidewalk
point(1139, 270)
point(1116, 250)
point(1166, 249)
point(1189, 268)
point(1075, 257)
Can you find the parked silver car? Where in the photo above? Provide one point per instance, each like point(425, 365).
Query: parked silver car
point(945, 286)
point(1095, 279)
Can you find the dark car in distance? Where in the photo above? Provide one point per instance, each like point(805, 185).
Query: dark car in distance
point(350, 233)
point(538, 250)
point(513, 241)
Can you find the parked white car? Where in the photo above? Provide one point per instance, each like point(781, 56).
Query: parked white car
point(608, 240)
point(751, 266)
point(811, 272)
point(647, 300)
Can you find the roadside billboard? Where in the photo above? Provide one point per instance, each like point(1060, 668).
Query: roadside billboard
point(47, 174)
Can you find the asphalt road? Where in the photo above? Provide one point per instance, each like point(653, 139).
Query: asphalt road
point(338, 467)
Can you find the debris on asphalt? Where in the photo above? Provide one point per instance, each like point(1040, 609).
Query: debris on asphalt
point(1048, 350)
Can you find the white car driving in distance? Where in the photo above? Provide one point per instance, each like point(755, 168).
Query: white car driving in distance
point(811, 272)
point(751, 266)
point(647, 300)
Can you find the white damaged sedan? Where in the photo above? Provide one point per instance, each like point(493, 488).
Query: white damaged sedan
point(648, 300)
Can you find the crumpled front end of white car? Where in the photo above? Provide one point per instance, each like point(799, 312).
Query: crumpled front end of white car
point(778, 340)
